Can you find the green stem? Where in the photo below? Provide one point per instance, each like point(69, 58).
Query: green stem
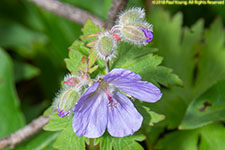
point(91, 146)
point(107, 66)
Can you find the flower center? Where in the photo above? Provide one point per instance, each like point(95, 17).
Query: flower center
point(111, 103)
point(108, 90)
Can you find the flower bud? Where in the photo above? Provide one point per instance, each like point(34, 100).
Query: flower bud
point(75, 81)
point(106, 46)
point(66, 100)
point(137, 34)
point(131, 16)
point(71, 80)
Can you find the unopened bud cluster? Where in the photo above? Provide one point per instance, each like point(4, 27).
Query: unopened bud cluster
point(68, 96)
point(131, 27)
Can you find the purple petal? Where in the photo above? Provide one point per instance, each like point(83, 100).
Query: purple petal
point(117, 75)
point(62, 114)
point(141, 90)
point(91, 89)
point(148, 34)
point(90, 114)
point(124, 119)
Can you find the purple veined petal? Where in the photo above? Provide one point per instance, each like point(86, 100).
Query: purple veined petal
point(141, 90)
point(148, 34)
point(119, 74)
point(124, 119)
point(90, 114)
point(90, 119)
point(91, 89)
point(86, 94)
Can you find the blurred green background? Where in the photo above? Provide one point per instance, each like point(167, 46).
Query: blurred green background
point(34, 43)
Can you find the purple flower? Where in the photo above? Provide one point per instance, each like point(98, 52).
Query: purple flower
point(104, 106)
point(148, 34)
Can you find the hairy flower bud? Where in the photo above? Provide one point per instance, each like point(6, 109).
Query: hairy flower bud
point(139, 34)
point(66, 100)
point(131, 16)
point(106, 46)
point(73, 87)
point(71, 80)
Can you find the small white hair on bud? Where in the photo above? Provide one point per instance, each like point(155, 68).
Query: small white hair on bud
point(65, 99)
point(57, 97)
point(130, 16)
point(69, 76)
point(77, 80)
point(146, 25)
point(110, 52)
point(131, 39)
point(71, 80)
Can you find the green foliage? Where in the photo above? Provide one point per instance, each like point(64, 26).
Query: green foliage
point(88, 29)
point(20, 38)
point(40, 38)
point(66, 135)
point(150, 117)
point(82, 58)
point(179, 51)
point(108, 142)
point(73, 61)
point(155, 117)
point(97, 7)
point(24, 71)
point(67, 140)
point(92, 58)
point(56, 123)
point(197, 56)
point(211, 63)
point(142, 61)
point(179, 140)
point(10, 114)
point(42, 141)
point(207, 108)
point(210, 137)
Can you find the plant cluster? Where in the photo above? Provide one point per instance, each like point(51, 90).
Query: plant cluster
point(103, 102)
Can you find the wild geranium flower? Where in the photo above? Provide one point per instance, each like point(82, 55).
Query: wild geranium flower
point(104, 105)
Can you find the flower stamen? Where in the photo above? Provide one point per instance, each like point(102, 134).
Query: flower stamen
point(111, 103)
